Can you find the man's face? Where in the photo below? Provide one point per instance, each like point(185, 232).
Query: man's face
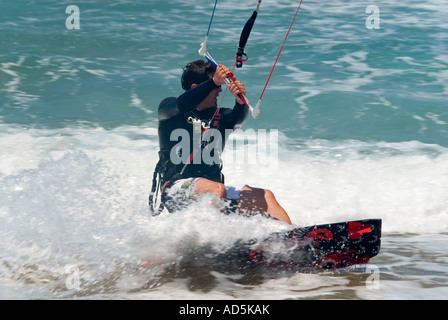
point(212, 99)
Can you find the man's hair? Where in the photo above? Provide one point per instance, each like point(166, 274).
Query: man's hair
point(196, 72)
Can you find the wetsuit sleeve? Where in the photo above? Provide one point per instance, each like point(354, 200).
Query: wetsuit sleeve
point(187, 101)
point(240, 112)
point(236, 117)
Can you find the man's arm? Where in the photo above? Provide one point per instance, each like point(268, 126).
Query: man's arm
point(240, 112)
point(186, 102)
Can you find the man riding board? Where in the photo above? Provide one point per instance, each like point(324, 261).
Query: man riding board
point(185, 176)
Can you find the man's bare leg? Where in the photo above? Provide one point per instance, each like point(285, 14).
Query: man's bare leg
point(204, 186)
point(254, 201)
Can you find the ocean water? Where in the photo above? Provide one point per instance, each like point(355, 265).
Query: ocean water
point(360, 115)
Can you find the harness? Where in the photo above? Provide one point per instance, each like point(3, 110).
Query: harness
point(165, 173)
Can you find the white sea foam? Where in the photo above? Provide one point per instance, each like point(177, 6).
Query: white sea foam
point(317, 182)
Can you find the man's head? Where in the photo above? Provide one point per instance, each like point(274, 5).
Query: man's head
point(196, 72)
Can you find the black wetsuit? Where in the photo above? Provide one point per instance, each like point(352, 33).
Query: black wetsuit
point(175, 113)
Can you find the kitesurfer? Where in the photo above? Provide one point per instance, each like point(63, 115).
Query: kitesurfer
point(192, 130)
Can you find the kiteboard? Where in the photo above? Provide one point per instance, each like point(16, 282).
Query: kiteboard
point(317, 247)
point(312, 248)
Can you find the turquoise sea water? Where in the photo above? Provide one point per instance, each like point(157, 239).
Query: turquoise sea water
point(362, 117)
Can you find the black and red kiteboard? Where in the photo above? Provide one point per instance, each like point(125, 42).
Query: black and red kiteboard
point(319, 247)
point(303, 249)
point(326, 246)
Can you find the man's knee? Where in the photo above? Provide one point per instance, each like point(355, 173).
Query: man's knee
point(220, 190)
point(208, 186)
point(269, 196)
